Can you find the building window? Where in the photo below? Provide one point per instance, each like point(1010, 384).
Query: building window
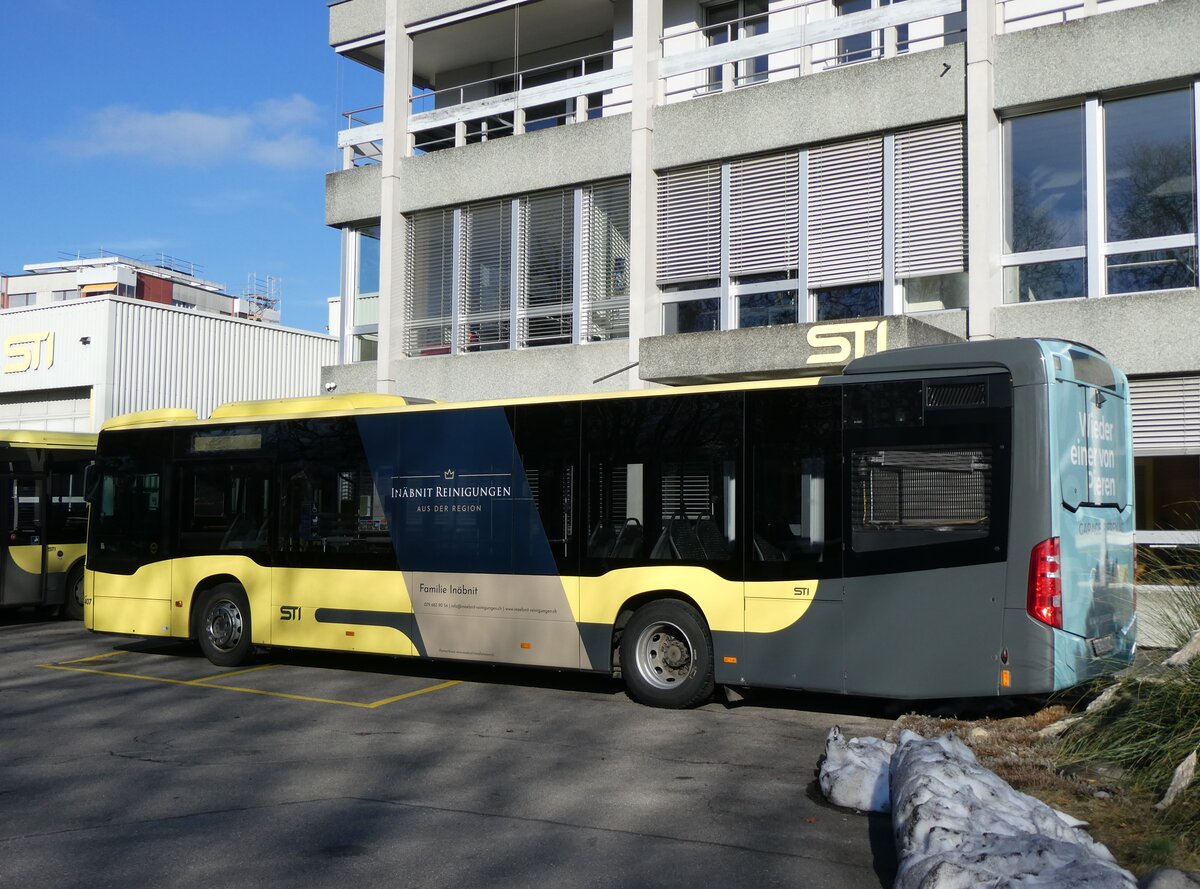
point(801, 236)
point(726, 22)
point(429, 301)
point(61, 295)
point(1145, 238)
point(1168, 493)
point(854, 301)
point(18, 300)
point(1046, 205)
point(692, 316)
point(547, 268)
point(544, 269)
point(606, 255)
point(1150, 190)
point(767, 309)
point(362, 255)
point(487, 278)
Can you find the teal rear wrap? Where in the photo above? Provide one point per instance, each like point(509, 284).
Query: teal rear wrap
point(1093, 474)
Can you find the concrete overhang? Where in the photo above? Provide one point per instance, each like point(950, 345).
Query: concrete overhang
point(354, 195)
point(789, 350)
point(858, 100)
point(1151, 44)
point(1142, 333)
point(354, 20)
point(551, 158)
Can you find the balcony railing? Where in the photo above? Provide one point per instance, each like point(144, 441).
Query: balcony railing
point(563, 92)
point(1019, 15)
point(803, 38)
point(362, 140)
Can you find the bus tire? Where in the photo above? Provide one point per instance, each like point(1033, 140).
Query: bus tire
point(72, 607)
point(666, 656)
point(223, 626)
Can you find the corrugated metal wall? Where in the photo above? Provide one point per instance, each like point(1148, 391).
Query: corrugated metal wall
point(164, 357)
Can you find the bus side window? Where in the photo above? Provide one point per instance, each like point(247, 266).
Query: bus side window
point(661, 479)
point(545, 514)
point(224, 508)
point(330, 513)
point(794, 475)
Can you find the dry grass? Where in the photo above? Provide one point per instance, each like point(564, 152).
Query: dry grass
point(1118, 808)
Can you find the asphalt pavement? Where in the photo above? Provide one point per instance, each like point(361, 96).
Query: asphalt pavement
point(136, 763)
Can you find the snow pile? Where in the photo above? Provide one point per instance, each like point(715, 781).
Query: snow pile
point(855, 772)
point(958, 824)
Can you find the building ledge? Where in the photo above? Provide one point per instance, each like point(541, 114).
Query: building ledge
point(790, 350)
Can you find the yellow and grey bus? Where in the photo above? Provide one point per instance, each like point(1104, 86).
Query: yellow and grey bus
point(43, 519)
point(934, 522)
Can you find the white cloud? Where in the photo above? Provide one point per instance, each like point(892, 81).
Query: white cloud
point(274, 133)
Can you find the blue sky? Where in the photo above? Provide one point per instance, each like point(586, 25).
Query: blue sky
point(199, 129)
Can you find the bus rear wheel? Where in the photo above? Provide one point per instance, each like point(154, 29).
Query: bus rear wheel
point(72, 607)
point(223, 630)
point(666, 656)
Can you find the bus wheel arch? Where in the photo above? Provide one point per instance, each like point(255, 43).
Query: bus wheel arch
point(221, 621)
point(72, 606)
point(665, 651)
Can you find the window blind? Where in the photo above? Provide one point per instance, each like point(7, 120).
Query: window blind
point(845, 213)
point(931, 194)
point(606, 260)
point(689, 224)
point(429, 300)
point(764, 213)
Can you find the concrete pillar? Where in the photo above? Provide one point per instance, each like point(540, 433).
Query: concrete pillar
point(397, 80)
point(985, 197)
point(645, 305)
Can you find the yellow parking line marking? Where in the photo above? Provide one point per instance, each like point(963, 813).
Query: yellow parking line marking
point(413, 694)
point(205, 683)
point(232, 673)
point(96, 657)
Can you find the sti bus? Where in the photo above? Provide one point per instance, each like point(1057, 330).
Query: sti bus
point(934, 522)
point(43, 519)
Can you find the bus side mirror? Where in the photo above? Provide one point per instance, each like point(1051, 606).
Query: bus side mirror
point(91, 483)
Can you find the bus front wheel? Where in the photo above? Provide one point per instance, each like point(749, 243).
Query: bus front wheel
point(666, 656)
point(224, 626)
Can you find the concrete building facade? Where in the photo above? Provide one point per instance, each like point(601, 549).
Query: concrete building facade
point(585, 195)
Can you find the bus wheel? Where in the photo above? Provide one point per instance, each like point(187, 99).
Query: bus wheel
point(72, 608)
point(224, 628)
point(666, 656)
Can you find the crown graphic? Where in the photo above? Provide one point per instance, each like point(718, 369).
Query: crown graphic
point(448, 475)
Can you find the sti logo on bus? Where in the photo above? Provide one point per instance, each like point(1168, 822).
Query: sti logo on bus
point(845, 339)
point(27, 350)
point(289, 612)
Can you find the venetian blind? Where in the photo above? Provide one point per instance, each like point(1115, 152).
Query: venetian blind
point(931, 193)
point(845, 213)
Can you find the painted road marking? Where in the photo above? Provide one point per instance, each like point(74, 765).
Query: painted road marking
point(94, 657)
point(207, 682)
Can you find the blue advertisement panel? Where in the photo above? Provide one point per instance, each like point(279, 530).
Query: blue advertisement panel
point(455, 493)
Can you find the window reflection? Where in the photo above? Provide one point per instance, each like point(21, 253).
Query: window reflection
point(1046, 200)
point(692, 317)
point(1148, 154)
point(855, 301)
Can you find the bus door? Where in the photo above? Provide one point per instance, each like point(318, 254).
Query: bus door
point(793, 545)
point(1090, 421)
point(23, 521)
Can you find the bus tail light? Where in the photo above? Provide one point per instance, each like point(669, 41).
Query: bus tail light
point(1044, 602)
